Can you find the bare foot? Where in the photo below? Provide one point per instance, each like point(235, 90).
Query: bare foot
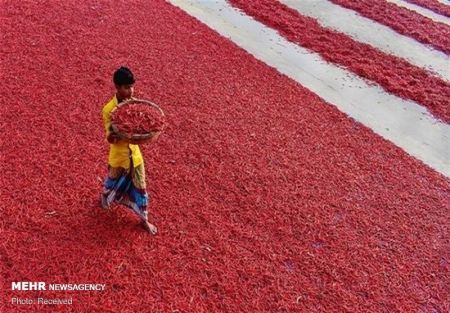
point(150, 227)
point(104, 202)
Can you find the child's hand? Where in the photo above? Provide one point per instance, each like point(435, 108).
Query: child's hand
point(113, 138)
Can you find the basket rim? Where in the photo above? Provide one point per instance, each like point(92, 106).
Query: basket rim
point(133, 100)
point(145, 136)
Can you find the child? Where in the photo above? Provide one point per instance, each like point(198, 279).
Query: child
point(125, 182)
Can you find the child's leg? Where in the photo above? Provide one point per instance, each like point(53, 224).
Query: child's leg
point(140, 196)
point(139, 177)
point(110, 185)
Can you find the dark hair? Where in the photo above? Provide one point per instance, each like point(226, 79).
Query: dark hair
point(123, 76)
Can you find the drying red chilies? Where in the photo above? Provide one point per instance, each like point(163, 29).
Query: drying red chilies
point(403, 21)
point(433, 5)
point(137, 118)
point(268, 198)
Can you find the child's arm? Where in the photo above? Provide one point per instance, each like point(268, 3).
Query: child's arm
point(111, 136)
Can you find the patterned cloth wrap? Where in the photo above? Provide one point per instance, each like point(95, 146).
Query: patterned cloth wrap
point(127, 186)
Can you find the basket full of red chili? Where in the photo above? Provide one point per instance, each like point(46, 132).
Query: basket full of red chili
point(137, 121)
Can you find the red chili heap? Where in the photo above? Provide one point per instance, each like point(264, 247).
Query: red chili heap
point(137, 118)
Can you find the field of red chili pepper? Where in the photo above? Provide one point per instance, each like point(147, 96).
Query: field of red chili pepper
point(433, 5)
point(267, 199)
point(403, 21)
point(394, 74)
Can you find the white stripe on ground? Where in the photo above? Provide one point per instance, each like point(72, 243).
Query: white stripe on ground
point(447, 2)
point(422, 11)
point(365, 30)
point(405, 123)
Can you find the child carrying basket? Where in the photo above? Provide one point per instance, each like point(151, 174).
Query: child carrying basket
point(129, 122)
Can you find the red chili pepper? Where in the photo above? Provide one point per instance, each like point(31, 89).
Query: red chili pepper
point(137, 118)
point(435, 6)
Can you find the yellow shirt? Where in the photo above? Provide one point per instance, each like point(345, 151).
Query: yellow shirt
point(119, 153)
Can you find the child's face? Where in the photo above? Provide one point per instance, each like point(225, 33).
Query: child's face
point(125, 91)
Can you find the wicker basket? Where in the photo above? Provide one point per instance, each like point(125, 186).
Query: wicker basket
point(138, 138)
